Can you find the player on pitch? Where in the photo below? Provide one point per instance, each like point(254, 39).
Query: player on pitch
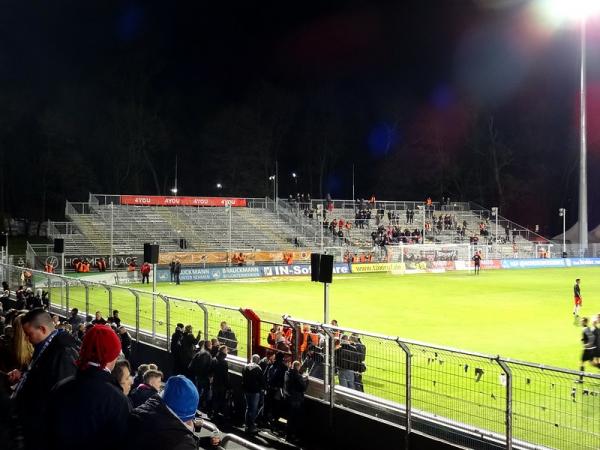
point(576, 298)
point(477, 262)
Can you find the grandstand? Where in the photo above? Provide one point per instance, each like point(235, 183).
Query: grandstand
point(105, 225)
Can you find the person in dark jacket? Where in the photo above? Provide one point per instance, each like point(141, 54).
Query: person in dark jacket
point(253, 384)
point(346, 361)
point(201, 368)
point(227, 337)
point(176, 349)
point(166, 421)
point(53, 360)
point(150, 387)
point(361, 354)
point(221, 383)
point(99, 320)
point(294, 387)
point(89, 406)
point(177, 271)
point(125, 342)
point(74, 320)
point(275, 378)
point(188, 349)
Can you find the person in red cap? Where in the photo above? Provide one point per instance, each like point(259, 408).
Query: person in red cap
point(90, 406)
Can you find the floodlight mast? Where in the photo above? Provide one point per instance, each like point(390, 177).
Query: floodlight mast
point(583, 210)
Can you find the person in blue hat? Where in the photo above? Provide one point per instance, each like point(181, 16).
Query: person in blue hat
point(166, 420)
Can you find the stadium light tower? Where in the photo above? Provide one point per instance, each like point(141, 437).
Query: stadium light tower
point(295, 177)
point(562, 212)
point(578, 11)
point(495, 214)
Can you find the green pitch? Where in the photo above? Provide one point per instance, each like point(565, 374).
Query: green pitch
point(522, 314)
point(519, 314)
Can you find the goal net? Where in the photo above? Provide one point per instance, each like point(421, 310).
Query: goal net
point(428, 256)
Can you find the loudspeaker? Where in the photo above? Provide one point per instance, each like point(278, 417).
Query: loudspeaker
point(59, 245)
point(3, 240)
point(182, 244)
point(326, 269)
point(151, 253)
point(315, 263)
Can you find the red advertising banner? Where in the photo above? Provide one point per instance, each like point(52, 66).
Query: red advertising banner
point(160, 200)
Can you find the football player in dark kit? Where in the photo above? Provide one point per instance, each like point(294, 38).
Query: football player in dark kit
point(477, 262)
point(577, 298)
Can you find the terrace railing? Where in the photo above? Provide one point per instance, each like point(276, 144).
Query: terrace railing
point(471, 399)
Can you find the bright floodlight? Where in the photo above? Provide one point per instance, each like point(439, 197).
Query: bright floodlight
point(272, 177)
point(174, 190)
point(219, 185)
point(294, 175)
point(561, 10)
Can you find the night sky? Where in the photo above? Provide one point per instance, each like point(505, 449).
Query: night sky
point(424, 98)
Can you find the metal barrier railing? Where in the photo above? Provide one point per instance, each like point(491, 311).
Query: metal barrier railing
point(514, 403)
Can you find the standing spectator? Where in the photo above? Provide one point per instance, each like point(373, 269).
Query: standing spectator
point(346, 358)
point(253, 383)
point(167, 421)
point(200, 369)
point(294, 386)
point(588, 340)
point(99, 320)
point(477, 262)
point(172, 270)
point(125, 342)
point(275, 378)
point(90, 407)
point(188, 348)
point(227, 337)
point(221, 383)
point(53, 360)
point(361, 354)
point(145, 271)
point(145, 390)
point(74, 320)
point(122, 374)
point(177, 271)
point(22, 350)
point(116, 318)
point(176, 349)
point(141, 370)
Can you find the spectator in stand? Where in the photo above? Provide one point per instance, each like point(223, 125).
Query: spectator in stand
point(150, 386)
point(90, 406)
point(361, 353)
point(346, 361)
point(145, 271)
point(116, 318)
point(125, 342)
point(200, 369)
point(176, 349)
point(188, 348)
point(253, 385)
point(294, 386)
point(122, 374)
point(22, 350)
point(221, 383)
point(141, 370)
point(275, 376)
point(166, 421)
point(53, 360)
point(99, 320)
point(214, 342)
point(74, 320)
point(227, 337)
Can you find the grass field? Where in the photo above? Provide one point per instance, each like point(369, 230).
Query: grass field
point(520, 314)
point(523, 314)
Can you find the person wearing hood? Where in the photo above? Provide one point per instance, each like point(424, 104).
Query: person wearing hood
point(221, 383)
point(253, 385)
point(90, 406)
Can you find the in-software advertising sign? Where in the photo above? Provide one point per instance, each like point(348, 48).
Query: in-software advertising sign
point(161, 200)
point(298, 269)
point(217, 273)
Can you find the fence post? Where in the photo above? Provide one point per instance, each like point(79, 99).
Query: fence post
point(205, 311)
point(110, 299)
point(330, 357)
point(248, 337)
point(408, 394)
point(168, 311)
point(66, 294)
point(87, 298)
point(49, 292)
point(137, 314)
point(153, 315)
point(509, 416)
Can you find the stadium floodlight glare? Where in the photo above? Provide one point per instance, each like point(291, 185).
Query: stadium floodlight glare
point(174, 190)
point(219, 186)
point(577, 10)
point(569, 10)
